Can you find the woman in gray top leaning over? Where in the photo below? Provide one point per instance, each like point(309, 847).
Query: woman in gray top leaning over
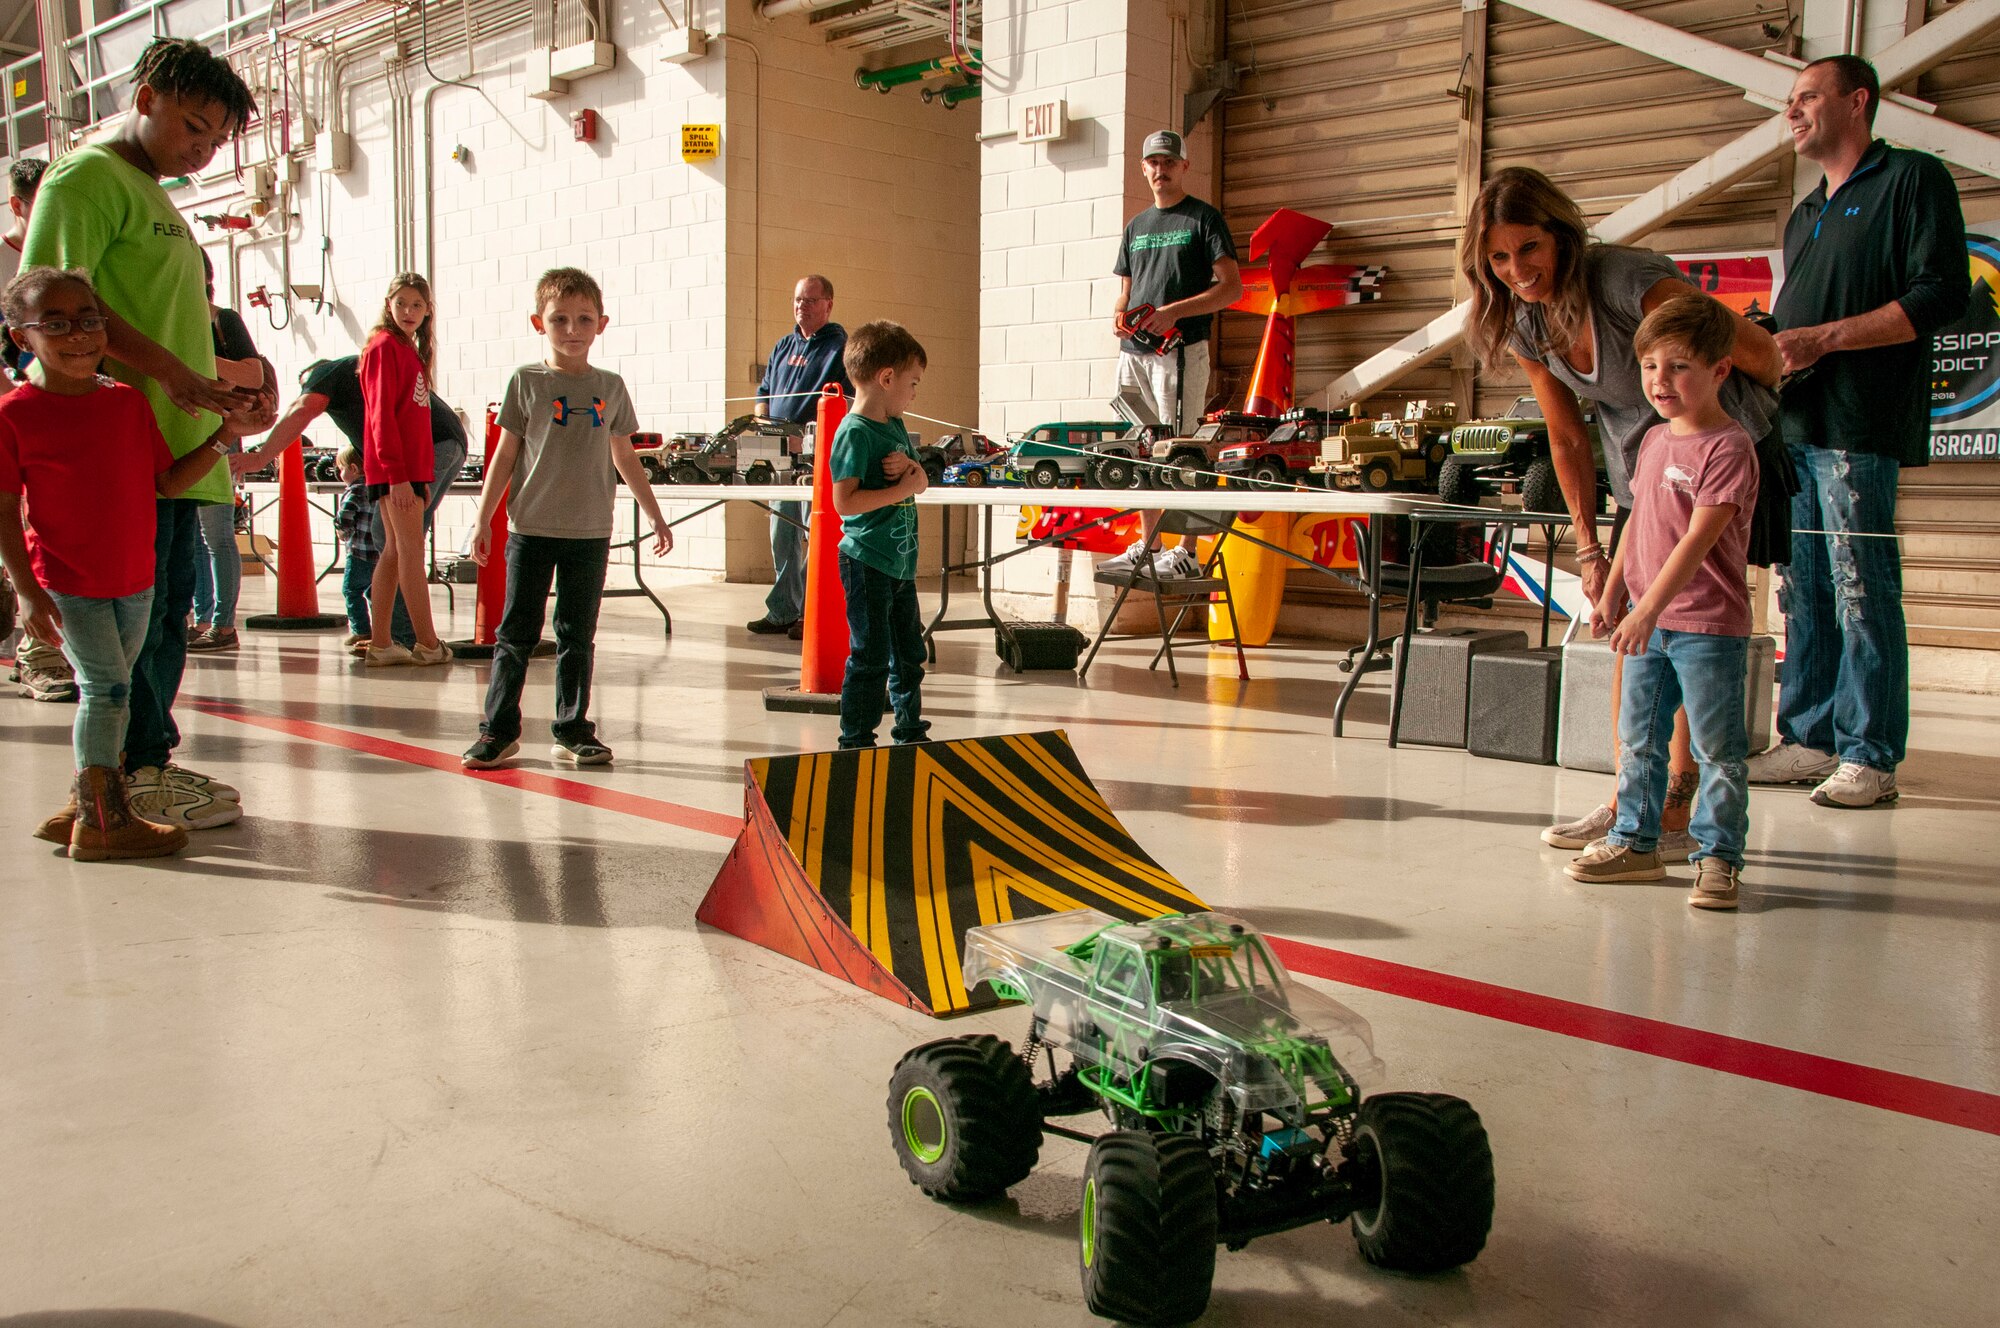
point(1566, 309)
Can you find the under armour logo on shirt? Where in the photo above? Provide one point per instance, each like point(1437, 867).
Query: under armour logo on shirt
point(1853, 212)
point(562, 410)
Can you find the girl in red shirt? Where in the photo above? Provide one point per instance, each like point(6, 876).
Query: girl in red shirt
point(84, 454)
point(395, 374)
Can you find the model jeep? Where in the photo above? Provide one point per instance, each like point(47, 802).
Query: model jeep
point(1390, 453)
point(1236, 1103)
point(1050, 455)
point(1189, 463)
point(1510, 455)
point(759, 450)
point(1286, 457)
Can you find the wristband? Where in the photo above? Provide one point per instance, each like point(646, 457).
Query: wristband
point(220, 446)
point(1592, 553)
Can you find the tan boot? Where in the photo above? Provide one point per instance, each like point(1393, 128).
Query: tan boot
point(107, 827)
point(56, 829)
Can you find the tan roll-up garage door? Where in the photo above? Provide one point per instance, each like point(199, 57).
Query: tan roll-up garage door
point(1950, 513)
point(1345, 112)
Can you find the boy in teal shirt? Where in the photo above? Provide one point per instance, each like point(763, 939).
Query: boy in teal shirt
point(876, 479)
point(101, 208)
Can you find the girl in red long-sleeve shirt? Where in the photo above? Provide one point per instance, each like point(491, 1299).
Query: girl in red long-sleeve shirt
point(395, 374)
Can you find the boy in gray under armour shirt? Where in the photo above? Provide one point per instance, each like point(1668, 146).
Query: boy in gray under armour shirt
point(566, 427)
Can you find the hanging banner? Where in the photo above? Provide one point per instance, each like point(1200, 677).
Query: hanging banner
point(1746, 283)
point(1965, 365)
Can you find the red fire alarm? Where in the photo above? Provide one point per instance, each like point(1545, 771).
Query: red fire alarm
point(584, 126)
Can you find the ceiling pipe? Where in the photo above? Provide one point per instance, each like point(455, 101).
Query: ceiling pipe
point(780, 8)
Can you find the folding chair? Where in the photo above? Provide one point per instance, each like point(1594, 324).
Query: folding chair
point(1183, 593)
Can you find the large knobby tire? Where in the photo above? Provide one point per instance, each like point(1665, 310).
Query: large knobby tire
point(761, 472)
point(1194, 474)
point(1456, 484)
point(686, 472)
point(1376, 476)
point(934, 469)
point(1046, 475)
point(1540, 491)
point(1426, 1170)
point(1116, 473)
point(964, 1118)
point(1147, 1228)
point(1270, 475)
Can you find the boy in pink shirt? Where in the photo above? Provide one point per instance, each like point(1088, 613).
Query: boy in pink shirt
point(1677, 604)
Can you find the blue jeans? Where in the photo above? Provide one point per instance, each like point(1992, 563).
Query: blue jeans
point(102, 638)
point(1845, 686)
point(1706, 673)
point(885, 649)
point(576, 568)
point(151, 734)
point(218, 573)
point(787, 601)
point(447, 459)
point(354, 582)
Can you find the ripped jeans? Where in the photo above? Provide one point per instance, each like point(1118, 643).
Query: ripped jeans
point(1845, 685)
point(102, 639)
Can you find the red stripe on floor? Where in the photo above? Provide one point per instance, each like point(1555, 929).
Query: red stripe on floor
point(1907, 1095)
point(1902, 1093)
point(532, 781)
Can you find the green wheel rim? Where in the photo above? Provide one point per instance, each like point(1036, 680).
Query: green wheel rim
point(923, 1115)
point(1089, 1221)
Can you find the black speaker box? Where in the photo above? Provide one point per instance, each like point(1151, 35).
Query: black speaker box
point(1439, 678)
point(1514, 713)
point(1037, 645)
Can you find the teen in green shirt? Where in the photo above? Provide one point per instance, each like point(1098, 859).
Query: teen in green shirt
point(101, 209)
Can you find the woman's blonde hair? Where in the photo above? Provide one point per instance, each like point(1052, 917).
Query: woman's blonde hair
point(1523, 196)
point(427, 330)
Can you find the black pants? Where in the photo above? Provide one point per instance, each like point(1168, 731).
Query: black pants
point(150, 733)
point(576, 566)
point(885, 649)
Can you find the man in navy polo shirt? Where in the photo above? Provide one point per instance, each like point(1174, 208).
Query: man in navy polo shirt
point(1874, 265)
point(805, 360)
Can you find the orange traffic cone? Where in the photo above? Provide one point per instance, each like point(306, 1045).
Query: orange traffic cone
point(298, 588)
point(823, 662)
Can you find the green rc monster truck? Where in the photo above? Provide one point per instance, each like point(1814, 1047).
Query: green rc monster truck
point(1511, 454)
point(1234, 1095)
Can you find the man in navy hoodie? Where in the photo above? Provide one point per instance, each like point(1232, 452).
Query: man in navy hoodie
point(805, 360)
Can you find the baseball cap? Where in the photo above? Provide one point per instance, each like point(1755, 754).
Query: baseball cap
point(1165, 143)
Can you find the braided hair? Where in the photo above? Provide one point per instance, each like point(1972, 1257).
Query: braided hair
point(184, 68)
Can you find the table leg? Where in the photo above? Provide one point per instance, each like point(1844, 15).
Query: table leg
point(1371, 560)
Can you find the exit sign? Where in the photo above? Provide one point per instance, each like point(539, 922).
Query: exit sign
point(1043, 121)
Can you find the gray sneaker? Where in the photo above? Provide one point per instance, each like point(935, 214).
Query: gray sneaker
point(44, 673)
point(165, 801)
point(1582, 832)
point(1790, 763)
point(1857, 785)
point(1715, 884)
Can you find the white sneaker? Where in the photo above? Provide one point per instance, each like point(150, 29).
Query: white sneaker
point(427, 655)
point(1125, 561)
point(1581, 833)
point(387, 657)
point(159, 799)
point(1790, 763)
point(194, 779)
point(1176, 564)
point(1857, 785)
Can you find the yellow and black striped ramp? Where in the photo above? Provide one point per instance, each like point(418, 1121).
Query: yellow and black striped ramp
point(870, 865)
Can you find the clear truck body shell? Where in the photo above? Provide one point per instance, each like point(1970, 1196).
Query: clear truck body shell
point(1202, 989)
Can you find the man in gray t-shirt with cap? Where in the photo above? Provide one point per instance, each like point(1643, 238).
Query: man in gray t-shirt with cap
point(1176, 256)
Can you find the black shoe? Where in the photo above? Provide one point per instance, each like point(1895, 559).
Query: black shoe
point(797, 631)
point(488, 753)
point(769, 626)
point(589, 751)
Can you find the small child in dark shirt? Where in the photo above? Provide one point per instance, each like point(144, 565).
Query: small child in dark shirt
point(355, 520)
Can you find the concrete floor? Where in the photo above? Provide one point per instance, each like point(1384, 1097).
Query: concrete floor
point(406, 1047)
